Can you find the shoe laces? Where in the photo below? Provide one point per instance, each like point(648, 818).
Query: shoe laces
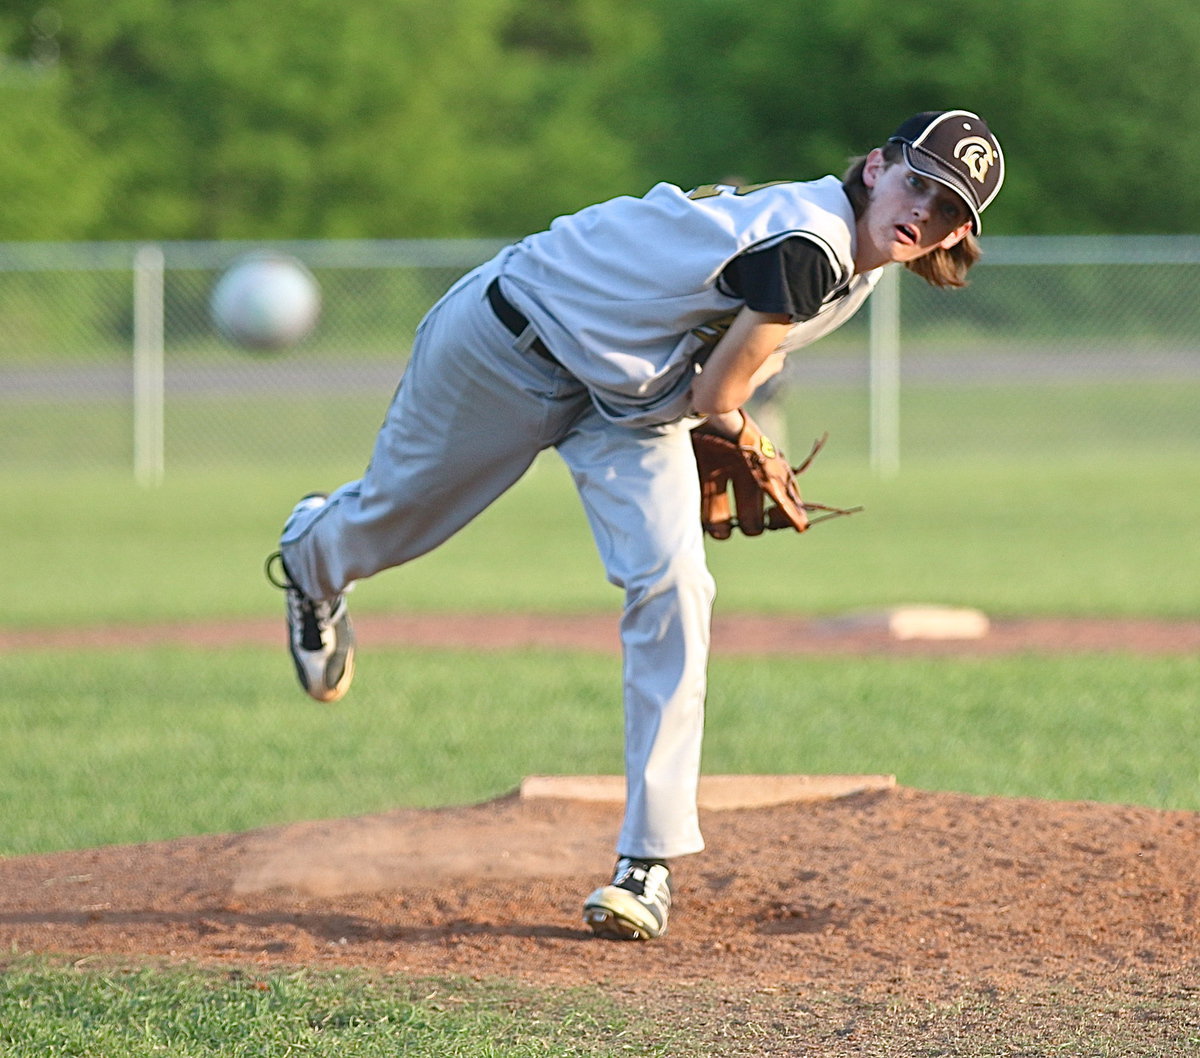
point(647, 881)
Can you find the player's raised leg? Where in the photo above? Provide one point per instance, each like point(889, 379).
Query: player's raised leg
point(467, 420)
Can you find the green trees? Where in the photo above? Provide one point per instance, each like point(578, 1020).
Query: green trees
point(313, 118)
point(411, 118)
point(1096, 101)
point(52, 183)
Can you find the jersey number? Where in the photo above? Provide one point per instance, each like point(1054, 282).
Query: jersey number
point(712, 190)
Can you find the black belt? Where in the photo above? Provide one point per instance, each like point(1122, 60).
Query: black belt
point(514, 321)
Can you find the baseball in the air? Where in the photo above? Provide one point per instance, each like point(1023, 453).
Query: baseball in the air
point(266, 302)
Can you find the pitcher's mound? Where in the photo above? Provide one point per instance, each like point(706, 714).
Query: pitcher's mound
point(891, 891)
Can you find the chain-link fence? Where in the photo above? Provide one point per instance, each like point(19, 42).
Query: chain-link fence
point(1056, 343)
point(69, 327)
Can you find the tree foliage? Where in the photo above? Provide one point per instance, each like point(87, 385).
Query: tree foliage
point(403, 118)
point(1093, 100)
point(311, 118)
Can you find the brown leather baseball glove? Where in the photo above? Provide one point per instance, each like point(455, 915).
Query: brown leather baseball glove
point(760, 475)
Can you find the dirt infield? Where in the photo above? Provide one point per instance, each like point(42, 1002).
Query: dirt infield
point(884, 896)
point(737, 634)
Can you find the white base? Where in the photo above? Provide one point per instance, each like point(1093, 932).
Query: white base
point(922, 622)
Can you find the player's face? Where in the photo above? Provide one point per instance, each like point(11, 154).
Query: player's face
point(908, 215)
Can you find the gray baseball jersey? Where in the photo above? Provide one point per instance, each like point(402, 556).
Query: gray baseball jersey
point(630, 293)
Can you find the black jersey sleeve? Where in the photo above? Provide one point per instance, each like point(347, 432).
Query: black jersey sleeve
point(792, 277)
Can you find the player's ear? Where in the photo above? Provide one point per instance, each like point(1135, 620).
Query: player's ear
point(956, 236)
point(874, 165)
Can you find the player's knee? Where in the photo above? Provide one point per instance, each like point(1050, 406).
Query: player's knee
point(684, 580)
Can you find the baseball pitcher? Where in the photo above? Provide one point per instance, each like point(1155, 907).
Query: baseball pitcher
point(628, 337)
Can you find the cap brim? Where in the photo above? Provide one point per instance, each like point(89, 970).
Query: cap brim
point(927, 165)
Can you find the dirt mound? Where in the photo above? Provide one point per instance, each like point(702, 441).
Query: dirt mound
point(897, 891)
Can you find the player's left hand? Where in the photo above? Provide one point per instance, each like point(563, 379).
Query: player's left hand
point(760, 475)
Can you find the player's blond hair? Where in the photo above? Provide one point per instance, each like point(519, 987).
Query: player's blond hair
point(939, 268)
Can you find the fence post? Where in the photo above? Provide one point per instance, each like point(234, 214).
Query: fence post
point(148, 375)
point(884, 351)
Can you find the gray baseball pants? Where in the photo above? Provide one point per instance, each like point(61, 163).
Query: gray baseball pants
point(473, 410)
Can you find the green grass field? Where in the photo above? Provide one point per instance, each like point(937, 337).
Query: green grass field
point(80, 1012)
point(1077, 537)
point(1105, 527)
point(116, 746)
point(1020, 500)
point(145, 1013)
point(100, 747)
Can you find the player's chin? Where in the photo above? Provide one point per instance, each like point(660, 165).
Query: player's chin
point(904, 252)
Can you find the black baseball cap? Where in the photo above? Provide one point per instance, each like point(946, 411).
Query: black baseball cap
point(958, 150)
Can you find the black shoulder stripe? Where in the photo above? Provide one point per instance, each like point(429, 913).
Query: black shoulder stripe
point(794, 275)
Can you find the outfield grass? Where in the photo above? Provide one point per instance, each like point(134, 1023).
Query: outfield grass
point(130, 746)
point(1076, 537)
point(1106, 530)
point(1019, 500)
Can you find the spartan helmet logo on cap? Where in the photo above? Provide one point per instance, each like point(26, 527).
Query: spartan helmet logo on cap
point(977, 155)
